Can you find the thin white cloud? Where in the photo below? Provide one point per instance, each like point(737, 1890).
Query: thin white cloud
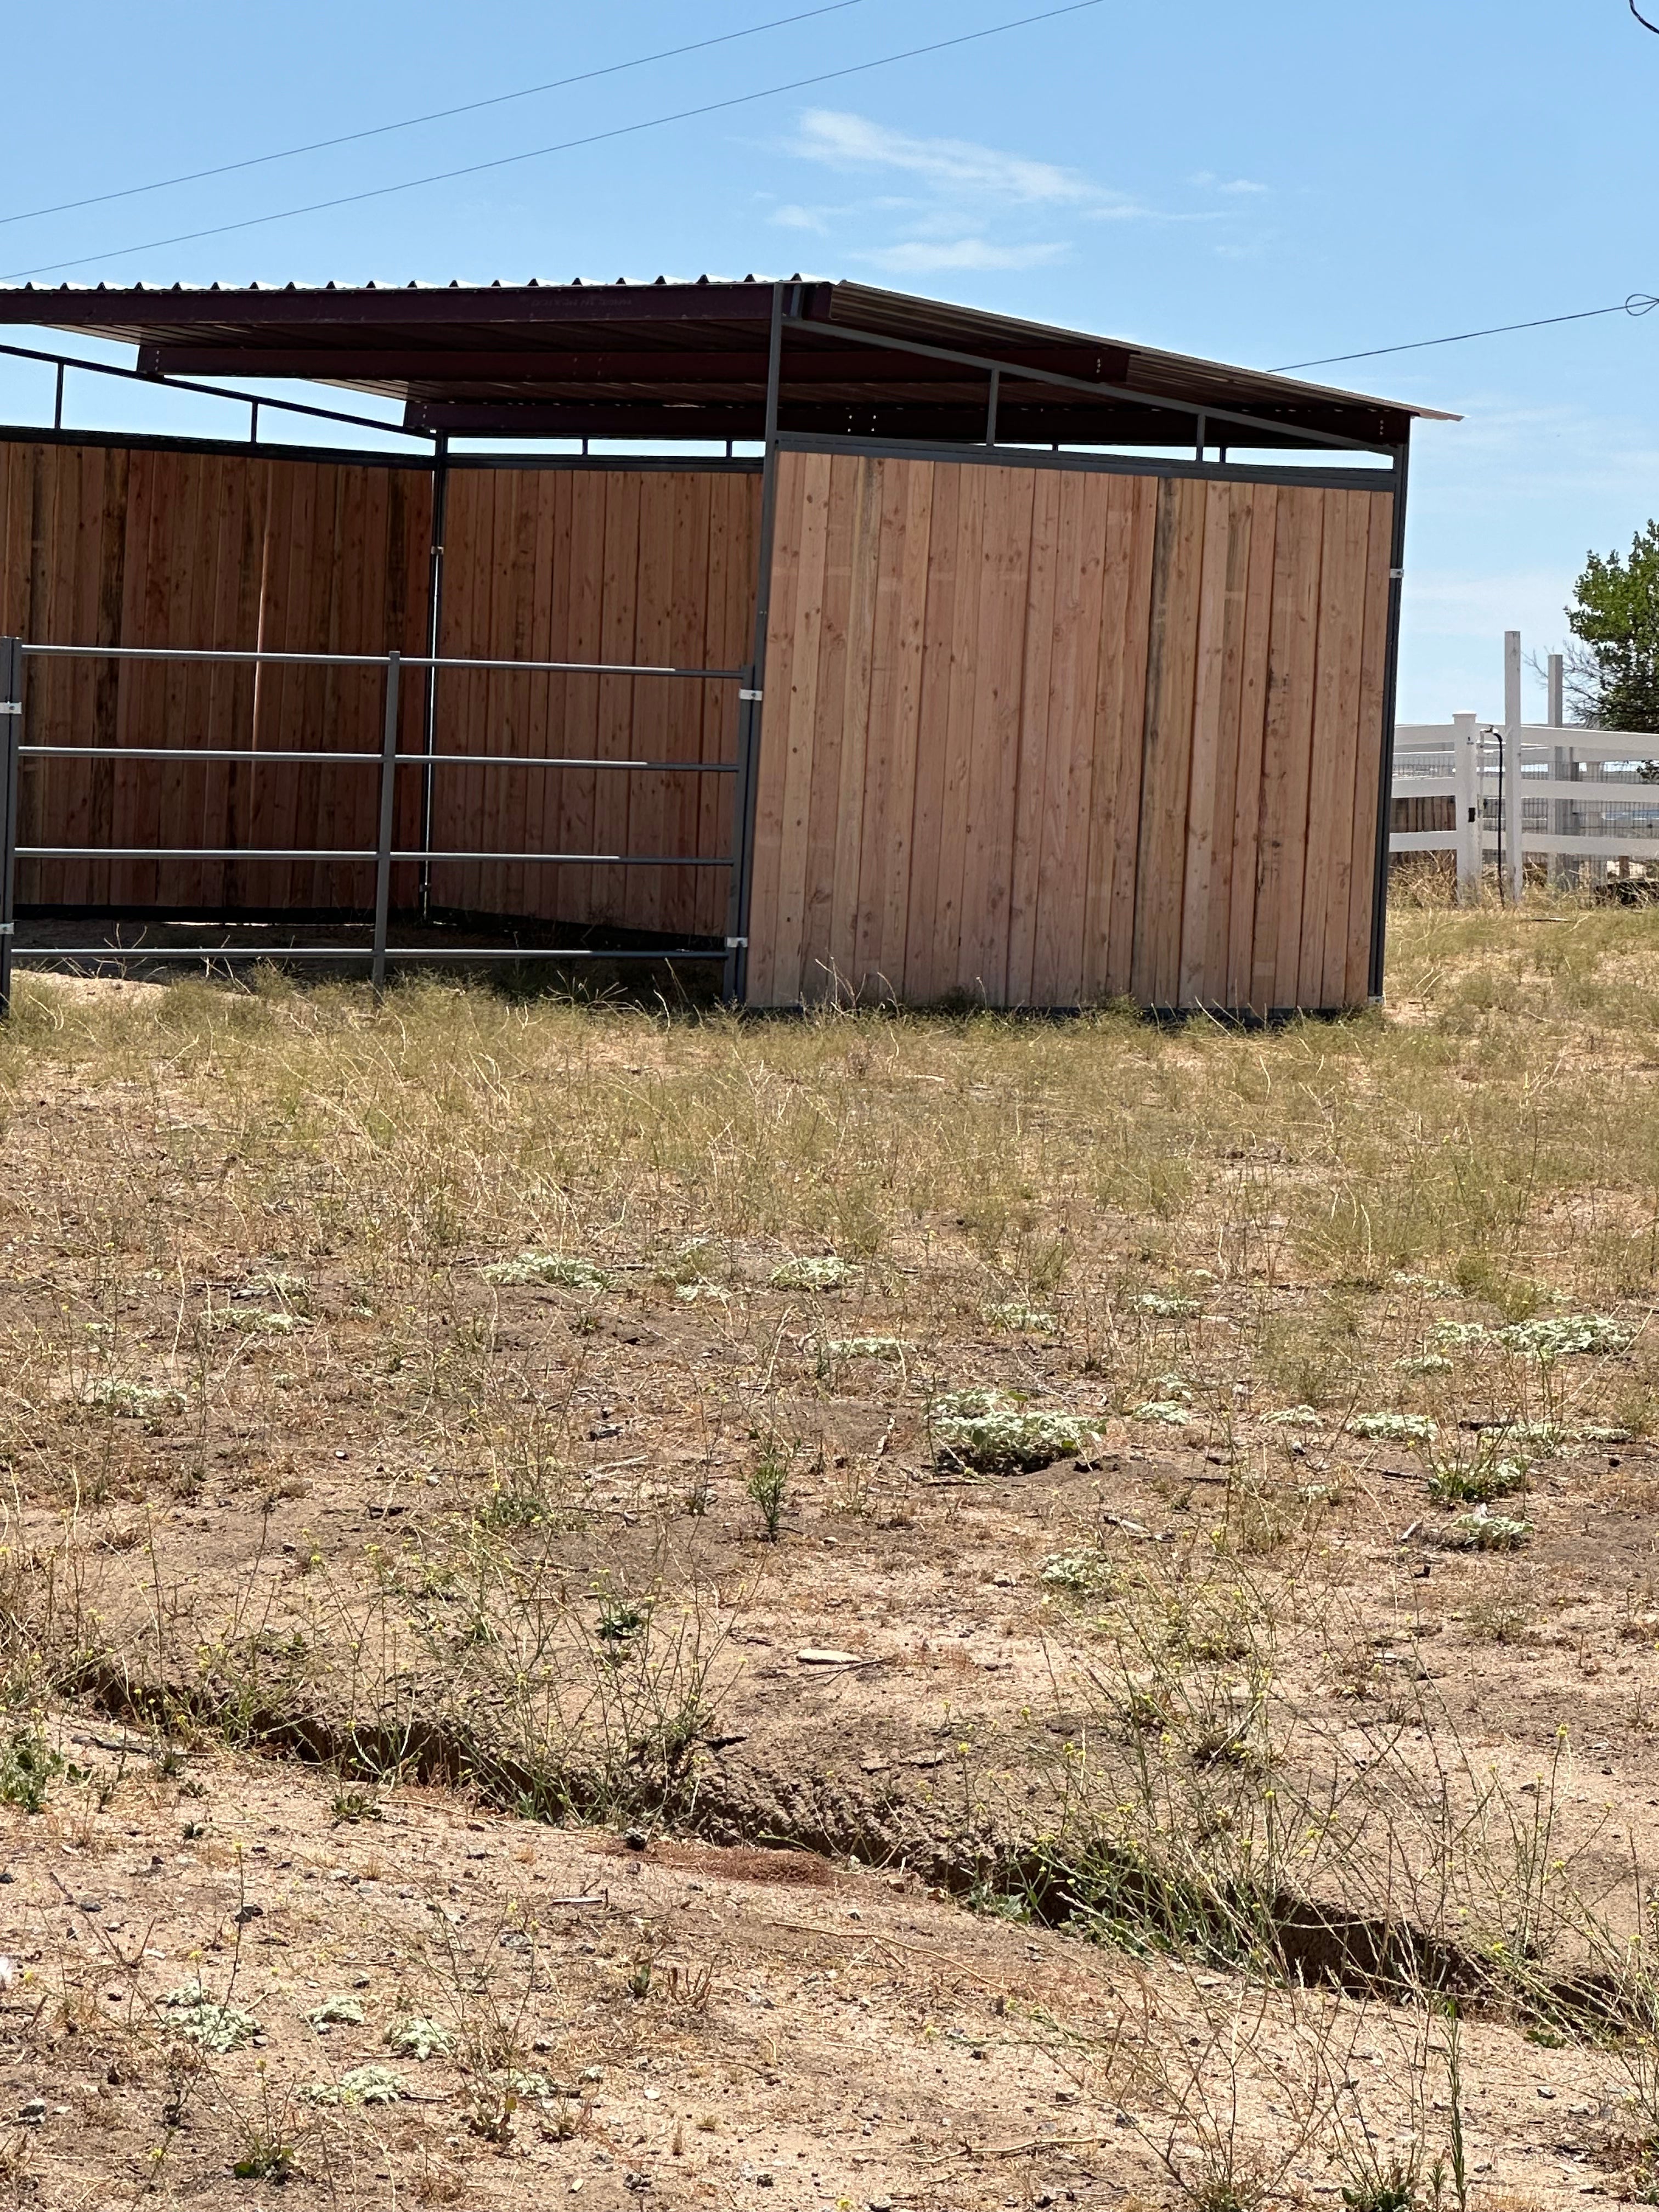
point(918, 257)
point(800, 218)
point(1244, 187)
point(957, 165)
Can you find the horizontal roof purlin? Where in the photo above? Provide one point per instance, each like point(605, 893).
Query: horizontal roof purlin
point(688, 362)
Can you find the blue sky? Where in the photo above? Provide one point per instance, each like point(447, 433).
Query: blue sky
point(1264, 185)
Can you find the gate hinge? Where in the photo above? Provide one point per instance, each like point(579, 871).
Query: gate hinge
point(751, 695)
point(15, 706)
point(7, 929)
point(737, 945)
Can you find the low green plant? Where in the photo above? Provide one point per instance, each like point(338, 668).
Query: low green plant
point(413, 2037)
point(206, 2022)
point(348, 1806)
point(995, 1434)
point(768, 1483)
point(363, 2085)
point(1024, 1320)
point(1483, 1531)
point(1394, 1428)
point(28, 1767)
point(825, 1272)
point(564, 1270)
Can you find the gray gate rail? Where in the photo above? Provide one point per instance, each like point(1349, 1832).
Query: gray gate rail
point(383, 855)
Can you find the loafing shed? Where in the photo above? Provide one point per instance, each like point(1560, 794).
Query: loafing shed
point(993, 671)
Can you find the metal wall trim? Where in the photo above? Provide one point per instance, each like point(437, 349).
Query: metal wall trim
point(1120, 465)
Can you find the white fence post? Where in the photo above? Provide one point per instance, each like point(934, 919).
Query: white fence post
point(1514, 858)
point(1465, 767)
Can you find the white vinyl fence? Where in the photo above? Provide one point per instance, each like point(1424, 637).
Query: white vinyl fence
point(1585, 803)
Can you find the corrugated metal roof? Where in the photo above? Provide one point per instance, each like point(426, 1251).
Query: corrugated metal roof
point(686, 359)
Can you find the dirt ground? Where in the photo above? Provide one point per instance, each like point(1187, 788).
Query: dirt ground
point(466, 1457)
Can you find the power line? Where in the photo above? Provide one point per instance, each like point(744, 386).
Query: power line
point(437, 115)
point(564, 146)
point(1638, 303)
point(1643, 20)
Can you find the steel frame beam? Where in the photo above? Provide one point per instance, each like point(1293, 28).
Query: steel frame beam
point(1199, 411)
point(752, 700)
point(1390, 707)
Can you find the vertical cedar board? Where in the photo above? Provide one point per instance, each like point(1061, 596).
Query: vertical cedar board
point(1037, 735)
point(1196, 986)
point(1286, 736)
point(1170, 685)
point(1336, 745)
point(1252, 715)
point(846, 479)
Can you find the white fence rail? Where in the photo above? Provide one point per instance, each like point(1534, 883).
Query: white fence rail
point(1584, 803)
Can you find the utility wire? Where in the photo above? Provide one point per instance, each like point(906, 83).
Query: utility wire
point(1643, 20)
point(1638, 303)
point(564, 146)
point(437, 115)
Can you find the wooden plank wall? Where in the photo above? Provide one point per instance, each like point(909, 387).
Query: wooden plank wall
point(131, 547)
point(114, 546)
point(654, 568)
point(1049, 737)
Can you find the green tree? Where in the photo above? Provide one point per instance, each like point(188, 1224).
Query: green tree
point(1615, 615)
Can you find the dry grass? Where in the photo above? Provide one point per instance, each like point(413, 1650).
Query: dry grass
point(499, 1392)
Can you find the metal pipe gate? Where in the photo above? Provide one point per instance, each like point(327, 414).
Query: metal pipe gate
point(384, 856)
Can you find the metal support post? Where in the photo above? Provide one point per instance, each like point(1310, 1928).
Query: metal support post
point(254, 423)
point(388, 810)
point(434, 612)
point(1202, 439)
point(57, 401)
point(751, 695)
point(1558, 706)
point(11, 735)
point(992, 405)
point(1471, 834)
point(1390, 705)
point(1514, 857)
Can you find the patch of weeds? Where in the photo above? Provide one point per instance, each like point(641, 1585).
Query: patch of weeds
point(339, 2011)
point(415, 2038)
point(1380, 2184)
point(562, 1269)
point(1425, 1362)
point(348, 1806)
point(621, 1623)
point(203, 2020)
point(1083, 1574)
point(254, 1321)
point(363, 2085)
point(1565, 1336)
point(1459, 1334)
point(1296, 1417)
point(834, 1351)
point(1394, 1428)
point(28, 1767)
point(129, 1400)
point(506, 1509)
point(692, 1294)
point(1169, 1411)
point(1025, 1321)
point(1166, 1305)
point(996, 1435)
point(1428, 1286)
point(768, 1483)
point(1477, 1483)
point(824, 1273)
point(1602, 1433)
point(1483, 1531)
